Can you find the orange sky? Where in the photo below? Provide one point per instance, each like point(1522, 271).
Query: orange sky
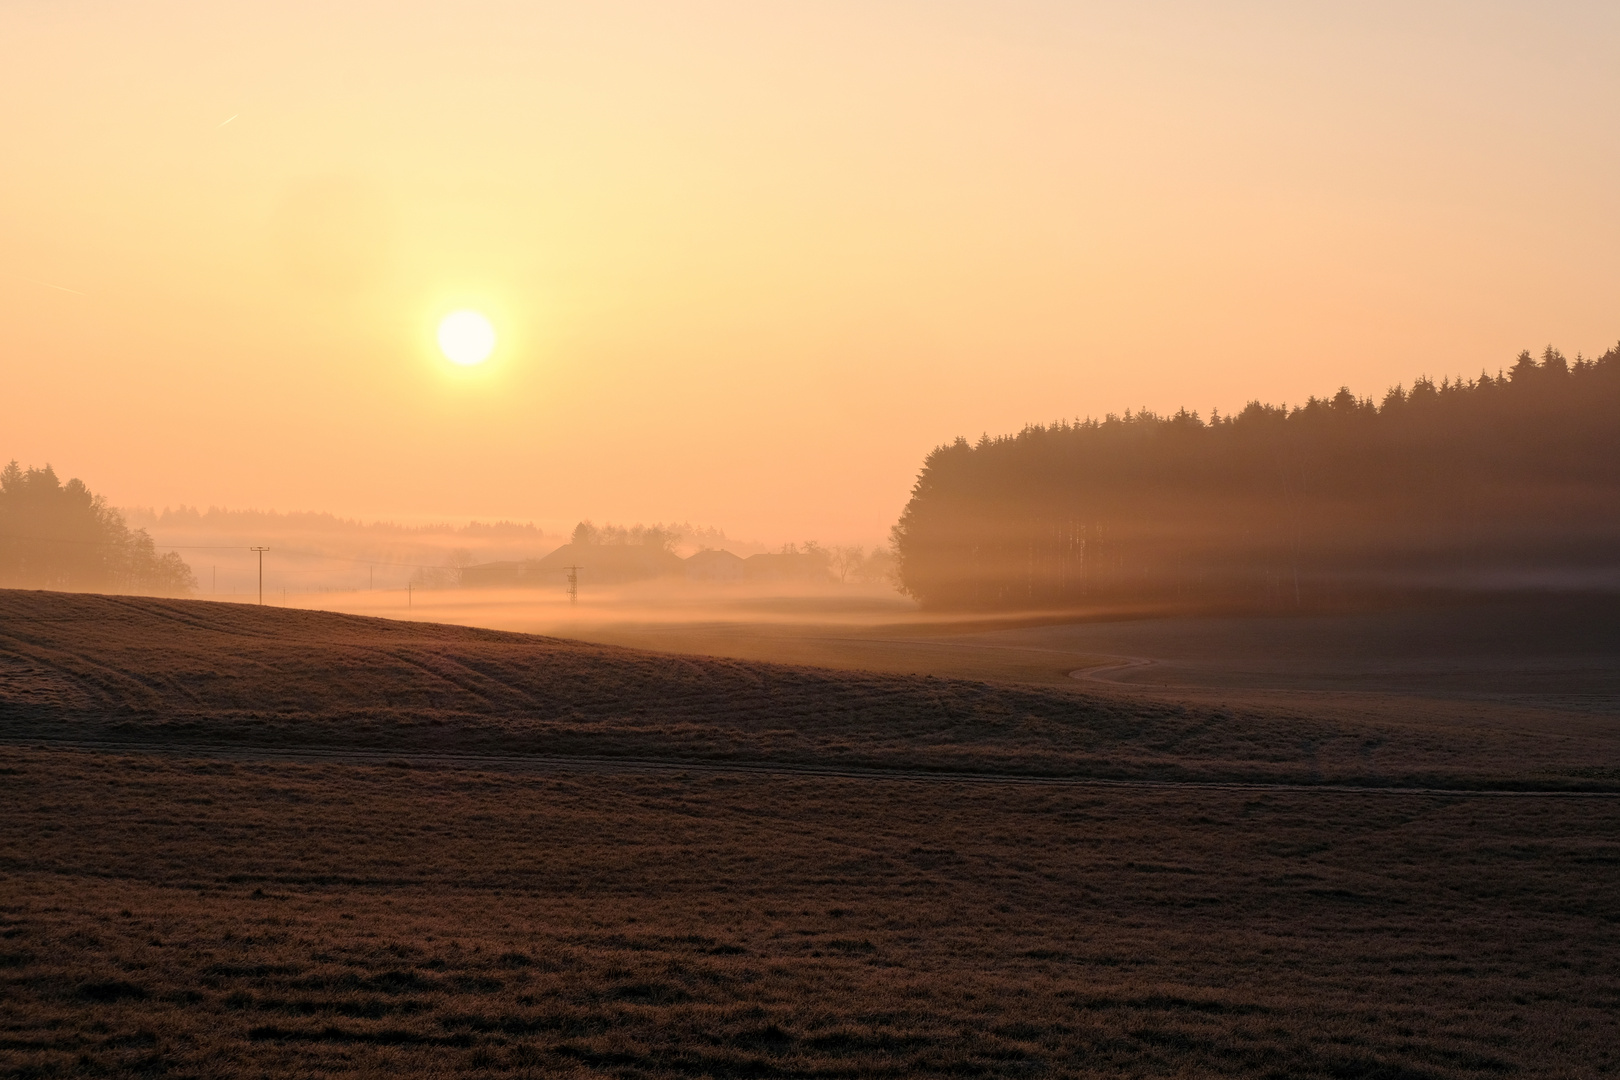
point(750, 261)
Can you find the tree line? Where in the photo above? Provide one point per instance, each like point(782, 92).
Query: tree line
point(61, 536)
point(1509, 481)
point(843, 562)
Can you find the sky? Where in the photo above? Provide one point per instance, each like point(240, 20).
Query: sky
point(749, 262)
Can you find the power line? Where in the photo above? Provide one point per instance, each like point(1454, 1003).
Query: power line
point(310, 555)
point(61, 540)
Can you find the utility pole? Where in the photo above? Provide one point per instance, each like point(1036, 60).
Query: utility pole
point(573, 583)
point(261, 551)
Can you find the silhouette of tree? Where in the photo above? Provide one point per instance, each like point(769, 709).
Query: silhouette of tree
point(61, 536)
point(1460, 485)
point(654, 536)
point(845, 561)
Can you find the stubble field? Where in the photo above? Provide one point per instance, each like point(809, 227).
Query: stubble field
point(1008, 880)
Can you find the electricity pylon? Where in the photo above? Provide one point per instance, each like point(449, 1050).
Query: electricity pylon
point(573, 583)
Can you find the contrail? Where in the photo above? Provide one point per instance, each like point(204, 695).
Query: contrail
point(222, 123)
point(64, 288)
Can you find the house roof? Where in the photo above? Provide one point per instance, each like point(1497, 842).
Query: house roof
point(712, 555)
point(613, 557)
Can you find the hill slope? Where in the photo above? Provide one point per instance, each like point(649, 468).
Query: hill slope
point(99, 670)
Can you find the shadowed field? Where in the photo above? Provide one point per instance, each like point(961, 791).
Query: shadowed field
point(331, 845)
point(208, 918)
point(142, 672)
point(1535, 651)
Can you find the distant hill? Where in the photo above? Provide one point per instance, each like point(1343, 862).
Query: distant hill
point(1511, 482)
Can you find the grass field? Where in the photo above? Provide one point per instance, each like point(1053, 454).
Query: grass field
point(135, 673)
point(243, 842)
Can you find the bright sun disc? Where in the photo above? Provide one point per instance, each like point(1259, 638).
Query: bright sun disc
point(466, 338)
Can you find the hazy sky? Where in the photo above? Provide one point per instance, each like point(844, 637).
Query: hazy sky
point(750, 261)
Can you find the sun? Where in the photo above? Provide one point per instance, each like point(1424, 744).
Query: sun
point(466, 338)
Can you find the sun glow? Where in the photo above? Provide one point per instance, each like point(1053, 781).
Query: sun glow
point(466, 338)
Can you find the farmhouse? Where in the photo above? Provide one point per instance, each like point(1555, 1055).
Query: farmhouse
point(609, 564)
point(713, 564)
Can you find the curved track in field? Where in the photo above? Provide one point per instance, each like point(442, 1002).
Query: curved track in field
point(538, 763)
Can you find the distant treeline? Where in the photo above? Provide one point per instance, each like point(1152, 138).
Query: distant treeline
point(844, 562)
point(265, 523)
point(60, 536)
point(615, 554)
point(1504, 482)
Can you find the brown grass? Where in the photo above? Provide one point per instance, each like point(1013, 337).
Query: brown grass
point(206, 907)
point(142, 672)
point(206, 918)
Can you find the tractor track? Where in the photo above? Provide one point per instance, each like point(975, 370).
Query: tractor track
point(540, 763)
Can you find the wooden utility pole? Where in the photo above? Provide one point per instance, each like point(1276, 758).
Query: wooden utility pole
point(261, 551)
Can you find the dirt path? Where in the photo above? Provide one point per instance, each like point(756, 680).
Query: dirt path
point(1102, 672)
